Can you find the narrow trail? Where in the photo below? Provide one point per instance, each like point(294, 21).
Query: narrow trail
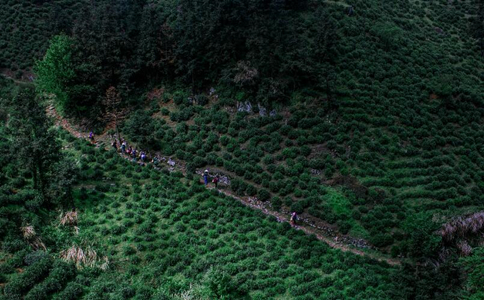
point(308, 227)
point(17, 81)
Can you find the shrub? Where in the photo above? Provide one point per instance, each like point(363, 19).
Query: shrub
point(26, 280)
point(13, 245)
point(276, 203)
point(251, 190)
point(201, 99)
point(356, 215)
point(220, 285)
point(34, 257)
point(381, 240)
point(58, 277)
point(344, 226)
point(297, 207)
point(263, 195)
point(289, 153)
point(141, 127)
point(129, 251)
point(179, 98)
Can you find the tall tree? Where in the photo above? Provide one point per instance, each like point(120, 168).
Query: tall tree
point(479, 26)
point(34, 143)
point(36, 148)
point(322, 72)
point(155, 51)
point(209, 35)
point(114, 111)
point(55, 71)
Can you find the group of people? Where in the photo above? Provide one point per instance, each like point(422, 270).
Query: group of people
point(135, 154)
point(206, 178)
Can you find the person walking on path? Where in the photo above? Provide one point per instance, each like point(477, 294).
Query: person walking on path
point(91, 137)
point(205, 177)
point(123, 148)
point(115, 146)
point(155, 161)
point(293, 218)
point(215, 181)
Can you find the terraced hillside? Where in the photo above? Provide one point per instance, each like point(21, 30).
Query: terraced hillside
point(399, 136)
point(140, 232)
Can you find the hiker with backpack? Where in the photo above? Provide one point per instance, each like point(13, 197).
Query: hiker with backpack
point(205, 177)
point(91, 137)
point(155, 161)
point(134, 158)
point(143, 156)
point(115, 145)
point(215, 181)
point(123, 148)
point(293, 219)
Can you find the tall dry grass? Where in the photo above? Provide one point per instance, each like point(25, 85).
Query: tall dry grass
point(462, 230)
point(86, 257)
point(29, 234)
point(69, 218)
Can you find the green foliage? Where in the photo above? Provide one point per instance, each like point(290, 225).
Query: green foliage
point(38, 151)
point(220, 285)
point(190, 241)
point(140, 127)
point(263, 195)
point(474, 267)
point(26, 280)
point(55, 71)
point(423, 241)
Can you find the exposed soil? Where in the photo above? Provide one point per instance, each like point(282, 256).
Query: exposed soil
point(312, 226)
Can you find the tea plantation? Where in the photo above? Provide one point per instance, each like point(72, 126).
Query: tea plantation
point(163, 236)
point(365, 118)
point(402, 136)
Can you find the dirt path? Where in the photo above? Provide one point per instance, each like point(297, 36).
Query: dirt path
point(17, 81)
point(308, 228)
point(59, 121)
point(306, 225)
point(102, 139)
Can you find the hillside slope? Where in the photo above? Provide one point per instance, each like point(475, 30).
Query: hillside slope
point(401, 132)
point(364, 117)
